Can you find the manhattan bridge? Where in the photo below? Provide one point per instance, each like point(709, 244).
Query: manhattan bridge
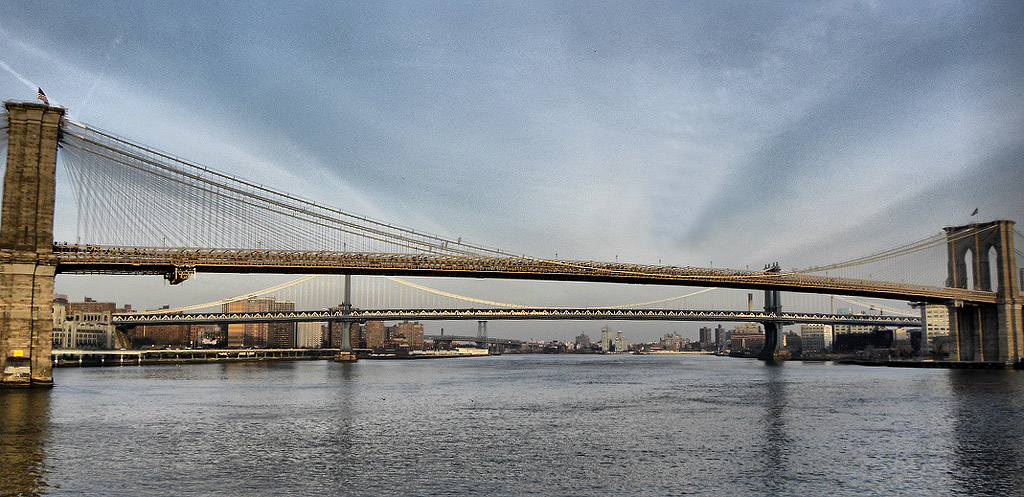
point(143, 211)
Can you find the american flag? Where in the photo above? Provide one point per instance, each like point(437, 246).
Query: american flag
point(42, 96)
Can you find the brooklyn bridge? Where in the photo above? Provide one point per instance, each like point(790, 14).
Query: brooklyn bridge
point(193, 219)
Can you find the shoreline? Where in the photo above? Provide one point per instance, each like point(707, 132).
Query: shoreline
point(901, 363)
point(72, 358)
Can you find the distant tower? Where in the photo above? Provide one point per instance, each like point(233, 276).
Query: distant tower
point(720, 337)
point(621, 345)
point(481, 330)
point(706, 337)
point(606, 339)
point(583, 341)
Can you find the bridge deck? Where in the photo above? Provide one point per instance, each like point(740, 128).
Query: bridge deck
point(179, 262)
point(136, 319)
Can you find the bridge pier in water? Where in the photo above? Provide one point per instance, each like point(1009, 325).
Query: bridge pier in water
point(773, 349)
point(985, 332)
point(345, 353)
point(27, 262)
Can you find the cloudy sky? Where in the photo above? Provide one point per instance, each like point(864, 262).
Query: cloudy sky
point(683, 132)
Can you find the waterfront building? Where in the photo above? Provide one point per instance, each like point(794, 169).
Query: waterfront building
point(247, 334)
point(606, 339)
point(411, 332)
point(376, 334)
point(748, 329)
point(90, 305)
point(87, 324)
point(792, 342)
point(621, 345)
point(706, 337)
point(356, 333)
point(156, 334)
point(672, 341)
point(583, 341)
point(721, 336)
point(281, 335)
point(176, 335)
point(936, 321)
point(309, 335)
point(533, 346)
point(556, 347)
point(208, 335)
point(747, 337)
point(746, 342)
point(260, 334)
point(877, 338)
point(816, 337)
point(82, 330)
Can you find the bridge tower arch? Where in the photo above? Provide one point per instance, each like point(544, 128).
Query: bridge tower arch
point(985, 332)
point(27, 262)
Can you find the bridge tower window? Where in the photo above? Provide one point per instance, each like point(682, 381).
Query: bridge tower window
point(993, 269)
point(969, 268)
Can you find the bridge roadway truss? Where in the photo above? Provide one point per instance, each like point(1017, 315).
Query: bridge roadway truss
point(176, 264)
point(136, 319)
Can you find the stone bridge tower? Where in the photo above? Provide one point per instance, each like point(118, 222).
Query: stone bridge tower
point(27, 263)
point(985, 332)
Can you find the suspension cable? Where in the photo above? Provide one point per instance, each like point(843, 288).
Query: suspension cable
point(121, 146)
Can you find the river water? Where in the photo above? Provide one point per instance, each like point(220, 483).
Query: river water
point(516, 425)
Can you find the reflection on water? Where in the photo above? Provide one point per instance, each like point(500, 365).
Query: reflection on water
point(515, 425)
point(776, 441)
point(340, 437)
point(988, 428)
point(24, 416)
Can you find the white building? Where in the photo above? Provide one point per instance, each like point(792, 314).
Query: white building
point(936, 320)
point(83, 330)
point(748, 328)
point(621, 345)
point(934, 324)
point(309, 335)
point(606, 339)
